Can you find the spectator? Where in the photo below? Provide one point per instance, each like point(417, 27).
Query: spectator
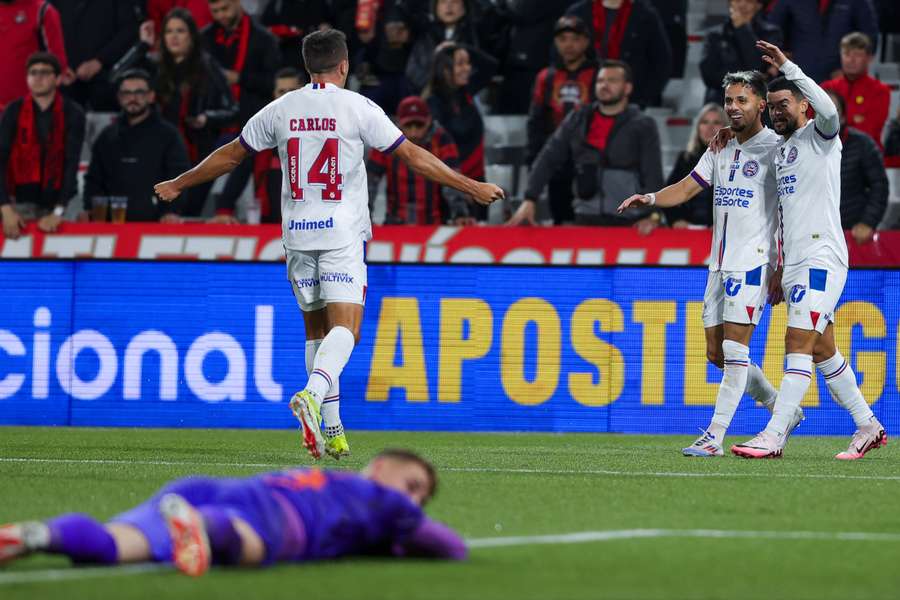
point(40, 144)
point(246, 52)
point(530, 36)
point(265, 169)
point(457, 75)
point(28, 26)
point(290, 20)
point(864, 183)
point(557, 91)
point(867, 99)
point(412, 199)
point(97, 34)
point(732, 47)
point(616, 152)
point(813, 30)
point(198, 9)
point(698, 211)
point(453, 22)
point(382, 62)
point(135, 152)
point(191, 90)
point(631, 31)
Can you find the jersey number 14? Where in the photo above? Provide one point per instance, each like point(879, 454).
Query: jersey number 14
point(325, 170)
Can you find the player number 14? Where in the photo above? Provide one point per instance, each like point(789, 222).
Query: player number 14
point(325, 170)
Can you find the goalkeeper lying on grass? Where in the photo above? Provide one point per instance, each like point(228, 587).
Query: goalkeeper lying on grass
point(289, 516)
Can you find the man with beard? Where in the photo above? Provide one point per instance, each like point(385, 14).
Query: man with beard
point(743, 250)
point(615, 151)
point(130, 155)
point(807, 164)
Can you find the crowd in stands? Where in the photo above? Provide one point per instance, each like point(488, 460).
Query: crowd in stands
point(184, 75)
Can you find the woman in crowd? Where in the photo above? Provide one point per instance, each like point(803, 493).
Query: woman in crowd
point(698, 211)
point(191, 89)
point(458, 73)
point(452, 21)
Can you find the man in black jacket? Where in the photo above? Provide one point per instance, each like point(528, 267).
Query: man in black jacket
point(864, 183)
point(732, 46)
point(558, 90)
point(247, 53)
point(97, 34)
point(133, 153)
point(631, 31)
point(615, 149)
point(40, 145)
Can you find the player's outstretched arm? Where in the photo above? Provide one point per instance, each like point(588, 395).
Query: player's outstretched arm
point(827, 120)
point(431, 167)
point(669, 196)
point(222, 161)
point(432, 540)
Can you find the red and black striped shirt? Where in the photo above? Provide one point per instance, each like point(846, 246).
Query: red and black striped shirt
point(412, 199)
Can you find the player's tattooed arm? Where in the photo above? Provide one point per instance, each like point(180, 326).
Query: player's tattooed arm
point(827, 118)
point(222, 161)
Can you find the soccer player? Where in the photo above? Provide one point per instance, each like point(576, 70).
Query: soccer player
point(743, 250)
point(298, 515)
point(808, 170)
point(320, 132)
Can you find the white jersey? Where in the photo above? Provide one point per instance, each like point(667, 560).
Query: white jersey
point(321, 132)
point(808, 168)
point(745, 204)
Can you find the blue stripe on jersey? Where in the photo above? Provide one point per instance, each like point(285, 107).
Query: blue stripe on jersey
point(394, 146)
point(817, 279)
point(827, 137)
point(703, 183)
point(754, 276)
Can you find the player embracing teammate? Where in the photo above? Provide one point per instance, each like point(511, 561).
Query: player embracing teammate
point(808, 172)
point(760, 179)
point(321, 132)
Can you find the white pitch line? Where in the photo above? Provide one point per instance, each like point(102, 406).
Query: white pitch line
point(512, 471)
point(46, 575)
point(613, 473)
point(578, 537)
point(581, 537)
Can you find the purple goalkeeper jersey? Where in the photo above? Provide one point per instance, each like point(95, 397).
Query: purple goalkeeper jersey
point(342, 513)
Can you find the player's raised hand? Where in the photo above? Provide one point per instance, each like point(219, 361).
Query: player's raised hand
point(720, 140)
point(771, 53)
point(167, 190)
point(488, 193)
point(632, 201)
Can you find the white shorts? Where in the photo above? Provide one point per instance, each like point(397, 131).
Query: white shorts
point(812, 291)
point(320, 277)
point(735, 296)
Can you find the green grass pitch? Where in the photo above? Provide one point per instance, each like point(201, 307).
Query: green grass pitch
point(502, 486)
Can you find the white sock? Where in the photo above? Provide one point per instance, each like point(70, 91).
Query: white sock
point(842, 384)
point(759, 388)
point(797, 374)
point(734, 382)
point(331, 404)
point(332, 355)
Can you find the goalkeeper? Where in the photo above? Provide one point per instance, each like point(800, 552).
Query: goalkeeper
point(296, 515)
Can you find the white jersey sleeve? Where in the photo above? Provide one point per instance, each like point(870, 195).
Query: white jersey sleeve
point(376, 129)
point(827, 122)
point(260, 131)
point(706, 166)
